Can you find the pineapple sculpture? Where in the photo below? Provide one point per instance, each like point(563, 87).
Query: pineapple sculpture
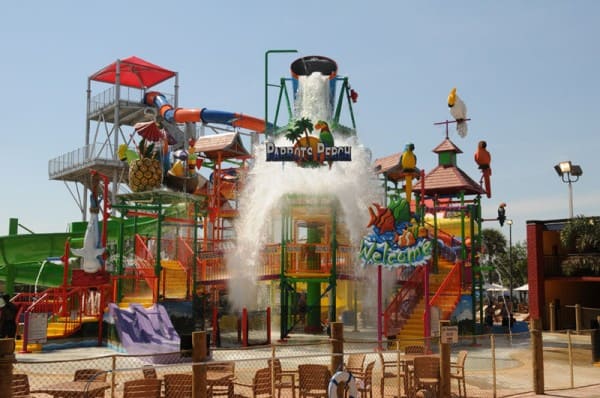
point(145, 169)
point(145, 173)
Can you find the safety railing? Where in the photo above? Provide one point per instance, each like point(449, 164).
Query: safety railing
point(448, 294)
point(309, 258)
point(65, 308)
point(402, 305)
point(81, 157)
point(145, 263)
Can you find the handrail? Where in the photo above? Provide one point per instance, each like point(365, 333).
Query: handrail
point(450, 287)
point(144, 263)
point(211, 266)
point(60, 302)
point(452, 239)
point(398, 311)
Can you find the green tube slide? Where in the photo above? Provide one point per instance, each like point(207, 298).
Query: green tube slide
point(22, 256)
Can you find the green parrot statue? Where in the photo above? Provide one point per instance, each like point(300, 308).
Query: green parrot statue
point(325, 135)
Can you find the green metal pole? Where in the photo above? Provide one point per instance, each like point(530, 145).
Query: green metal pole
point(313, 287)
point(463, 244)
point(13, 226)
point(267, 81)
point(435, 236)
point(333, 278)
point(282, 281)
point(157, 265)
point(120, 268)
point(195, 301)
point(478, 250)
point(473, 264)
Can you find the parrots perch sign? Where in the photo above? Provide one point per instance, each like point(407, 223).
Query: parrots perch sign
point(308, 149)
point(303, 153)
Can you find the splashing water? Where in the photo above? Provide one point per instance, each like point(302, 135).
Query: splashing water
point(353, 183)
point(312, 98)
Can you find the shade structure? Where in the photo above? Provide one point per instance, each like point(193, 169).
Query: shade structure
point(523, 288)
point(494, 287)
point(133, 72)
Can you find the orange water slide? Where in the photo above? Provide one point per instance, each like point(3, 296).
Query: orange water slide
point(183, 115)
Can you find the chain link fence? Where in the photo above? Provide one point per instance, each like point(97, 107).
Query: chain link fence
point(496, 365)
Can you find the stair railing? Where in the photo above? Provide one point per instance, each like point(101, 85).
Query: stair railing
point(144, 264)
point(398, 311)
point(448, 294)
point(67, 306)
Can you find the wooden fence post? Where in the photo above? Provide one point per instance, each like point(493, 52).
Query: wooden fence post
point(552, 316)
point(337, 346)
point(7, 358)
point(444, 363)
point(199, 355)
point(577, 318)
point(537, 346)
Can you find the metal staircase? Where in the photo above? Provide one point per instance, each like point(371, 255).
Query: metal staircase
point(404, 316)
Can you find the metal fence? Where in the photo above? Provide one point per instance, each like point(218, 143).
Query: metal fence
point(497, 365)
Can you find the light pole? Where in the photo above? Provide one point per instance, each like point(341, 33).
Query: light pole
point(510, 262)
point(565, 171)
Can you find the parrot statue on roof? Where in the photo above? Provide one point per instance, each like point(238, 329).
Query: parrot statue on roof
point(408, 161)
point(483, 160)
point(458, 110)
point(325, 136)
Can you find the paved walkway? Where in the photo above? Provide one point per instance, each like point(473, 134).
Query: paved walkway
point(592, 391)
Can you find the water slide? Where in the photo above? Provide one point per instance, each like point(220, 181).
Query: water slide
point(25, 257)
point(183, 115)
point(144, 331)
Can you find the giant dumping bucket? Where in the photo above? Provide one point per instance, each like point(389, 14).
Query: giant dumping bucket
point(306, 66)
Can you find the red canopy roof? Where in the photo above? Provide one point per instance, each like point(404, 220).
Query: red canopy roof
point(135, 72)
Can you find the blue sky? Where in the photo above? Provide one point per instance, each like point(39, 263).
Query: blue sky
point(528, 72)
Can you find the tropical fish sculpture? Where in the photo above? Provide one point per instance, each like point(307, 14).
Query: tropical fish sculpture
point(383, 218)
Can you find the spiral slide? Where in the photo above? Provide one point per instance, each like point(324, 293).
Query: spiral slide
point(183, 115)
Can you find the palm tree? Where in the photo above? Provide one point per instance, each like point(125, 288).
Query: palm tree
point(581, 234)
point(299, 127)
point(305, 125)
point(294, 133)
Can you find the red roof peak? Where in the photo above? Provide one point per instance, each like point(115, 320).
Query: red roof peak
point(447, 146)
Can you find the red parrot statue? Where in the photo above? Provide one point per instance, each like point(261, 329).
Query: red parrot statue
point(483, 160)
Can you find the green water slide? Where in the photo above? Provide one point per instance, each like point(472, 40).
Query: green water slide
point(24, 257)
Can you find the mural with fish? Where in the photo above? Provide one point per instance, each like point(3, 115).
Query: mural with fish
point(396, 239)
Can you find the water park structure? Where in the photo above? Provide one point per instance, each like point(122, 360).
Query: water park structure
point(196, 219)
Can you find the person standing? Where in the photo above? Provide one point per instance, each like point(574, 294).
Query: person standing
point(8, 318)
point(489, 316)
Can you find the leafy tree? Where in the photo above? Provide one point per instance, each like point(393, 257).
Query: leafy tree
point(581, 234)
point(518, 268)
point(498, 255)
point(494, 246)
